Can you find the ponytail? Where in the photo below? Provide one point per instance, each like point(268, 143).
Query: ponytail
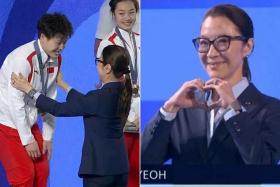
point(119, 59)
point(125, 99)
point(246, 69)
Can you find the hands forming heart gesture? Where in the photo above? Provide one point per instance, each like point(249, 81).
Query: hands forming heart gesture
point(192, 94)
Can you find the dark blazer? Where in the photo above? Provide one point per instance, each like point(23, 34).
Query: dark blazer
point(104, 150)
point(251, 137)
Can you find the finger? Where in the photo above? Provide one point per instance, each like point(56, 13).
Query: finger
point(16, 77)
point(210, 87)
point(13, 78)
point(21, 76)
point(44, 148)
point(32, 155)
point(37, 154)
point(216, 104)
point(198, 83)
point(13, 75)
point(211, 81)
point(49, 154)
point(202, 105)
point(13, 83)
point(214, 81)
point(29, 154)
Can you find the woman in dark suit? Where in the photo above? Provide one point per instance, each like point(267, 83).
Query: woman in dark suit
point(104, 159)
point(223, 120)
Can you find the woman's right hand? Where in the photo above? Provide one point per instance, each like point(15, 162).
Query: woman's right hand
point(184, 97)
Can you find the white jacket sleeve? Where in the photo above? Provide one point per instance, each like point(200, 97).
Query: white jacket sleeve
point(16, 99)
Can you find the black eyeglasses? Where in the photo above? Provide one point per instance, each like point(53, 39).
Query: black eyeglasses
point(221, 43)
point(98, 60)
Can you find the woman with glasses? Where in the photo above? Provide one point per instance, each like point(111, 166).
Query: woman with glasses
point(104, 159)
point(223, 120)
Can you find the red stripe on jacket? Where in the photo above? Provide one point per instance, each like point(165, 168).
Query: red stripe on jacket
point(111, 38)
point(137, 34)
point(29, 59)
point(59, 59)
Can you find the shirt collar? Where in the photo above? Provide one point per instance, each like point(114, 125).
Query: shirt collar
point(237, 89)
point(107, 83)
point(240, 87)
point(44, 54)
point(124, 33)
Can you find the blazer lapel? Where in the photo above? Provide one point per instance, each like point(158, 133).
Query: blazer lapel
point(220, 134)
point(250, 99)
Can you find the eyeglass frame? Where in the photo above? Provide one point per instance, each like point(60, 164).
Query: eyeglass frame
point(212, 42)
point(98, 60)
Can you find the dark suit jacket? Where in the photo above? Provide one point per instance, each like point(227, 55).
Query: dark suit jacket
point(104, 150)
point(251, 137)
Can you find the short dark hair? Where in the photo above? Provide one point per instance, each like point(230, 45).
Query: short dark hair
point(54, 23)
point(113, 4)
point(241, 20)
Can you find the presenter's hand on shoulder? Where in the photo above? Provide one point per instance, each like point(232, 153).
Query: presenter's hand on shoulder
point(61, 83)
point(33, 150)
point(184, 97)
point(20, 82)
point(47, 148)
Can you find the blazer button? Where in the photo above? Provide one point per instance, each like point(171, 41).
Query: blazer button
point(248, 103)
point(236, 126)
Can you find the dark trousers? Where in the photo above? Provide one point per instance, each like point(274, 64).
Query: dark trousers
point(105, 181)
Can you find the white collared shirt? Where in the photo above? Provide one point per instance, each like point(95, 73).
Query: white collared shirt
point(228, 112)
point(17, 110)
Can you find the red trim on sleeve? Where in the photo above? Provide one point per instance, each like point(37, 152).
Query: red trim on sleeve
point(29, 59)
point(111, 38)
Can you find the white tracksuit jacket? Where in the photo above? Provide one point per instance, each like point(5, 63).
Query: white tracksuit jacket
point(16, 109)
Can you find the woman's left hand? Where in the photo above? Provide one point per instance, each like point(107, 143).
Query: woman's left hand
point(224, 91)
point(20, 83)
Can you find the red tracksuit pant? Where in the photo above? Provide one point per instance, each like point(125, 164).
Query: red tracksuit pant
point(20, 169)
point(132, 145)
